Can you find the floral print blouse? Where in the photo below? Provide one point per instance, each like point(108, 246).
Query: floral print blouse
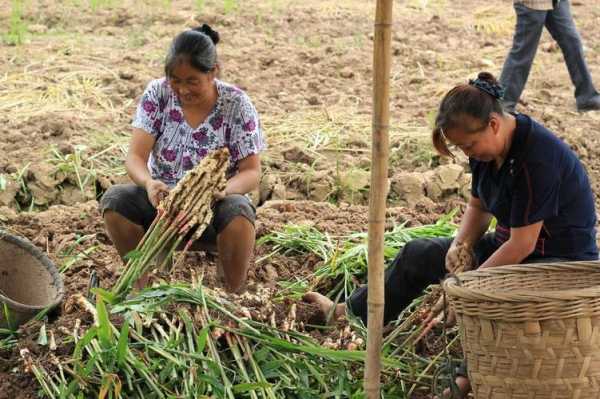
point(233, 123)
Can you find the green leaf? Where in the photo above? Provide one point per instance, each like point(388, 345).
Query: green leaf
point(135, 254)
point(2, 182)
point(250, 386)
point(122, 346)
point(8, 316)
point(84, 341)
point(201, 339)
point(104, 326)
point(107, 296)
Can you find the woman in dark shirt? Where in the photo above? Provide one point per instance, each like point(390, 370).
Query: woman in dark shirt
point(523, 175)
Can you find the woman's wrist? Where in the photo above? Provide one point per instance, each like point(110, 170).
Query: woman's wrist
point(461, 243)
point(146, 181)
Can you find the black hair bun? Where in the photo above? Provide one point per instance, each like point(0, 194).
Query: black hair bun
point(208, 31)
point(488, 77)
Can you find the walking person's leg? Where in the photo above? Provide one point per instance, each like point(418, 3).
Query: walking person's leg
point(517, 66)
point(561, 26)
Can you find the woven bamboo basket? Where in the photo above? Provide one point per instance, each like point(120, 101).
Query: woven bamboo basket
point(29, 281)
point(530, 331)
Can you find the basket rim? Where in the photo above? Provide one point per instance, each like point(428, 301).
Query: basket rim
point(453, 285)
point(45, 261)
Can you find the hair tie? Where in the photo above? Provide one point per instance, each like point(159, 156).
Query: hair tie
point(494, 90)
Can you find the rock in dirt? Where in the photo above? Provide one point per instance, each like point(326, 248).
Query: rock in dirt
point(355, 179)
point(320, 190)
point(37, 28)
point(44, 174)
point(267, 184)
point(445, 181)
point(320, 185)
point(42, 180)
point(347, 73)
point(314, 100)
point(16, 137)
point(54, 128)
point(465, 184)
point(42, 195)
point(271, 273)
point(126, 75)
point(71, 195)
point(7, 214)
point(408, 188)
point(66, 148)
point(297, 154)
point(11, 168)
point(279, 192)
point(8, 193)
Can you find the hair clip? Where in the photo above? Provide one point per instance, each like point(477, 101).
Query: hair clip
point(494, 90)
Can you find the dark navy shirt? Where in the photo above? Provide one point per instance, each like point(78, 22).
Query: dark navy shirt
point(540, 180)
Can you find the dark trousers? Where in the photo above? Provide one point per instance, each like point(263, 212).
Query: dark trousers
point(420, 263)
point(528, 31)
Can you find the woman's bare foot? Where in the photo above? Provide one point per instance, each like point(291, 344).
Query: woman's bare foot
point(464, 387)
point(329, 310)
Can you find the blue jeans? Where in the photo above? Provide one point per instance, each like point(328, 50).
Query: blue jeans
point(528, 31)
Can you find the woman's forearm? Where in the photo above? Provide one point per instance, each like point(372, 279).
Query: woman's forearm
point(137, 170)
point(509, 253)
point(243, 182)
point(474, 224)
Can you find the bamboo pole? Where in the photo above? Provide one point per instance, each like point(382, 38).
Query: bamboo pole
point(378, 193)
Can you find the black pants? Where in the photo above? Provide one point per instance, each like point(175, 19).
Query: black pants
point(419, 264)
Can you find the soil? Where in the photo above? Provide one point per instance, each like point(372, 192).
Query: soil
point(70, 89)
point(56, 230)
point(68, 92)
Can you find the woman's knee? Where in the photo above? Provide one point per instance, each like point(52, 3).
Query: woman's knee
point(111, 218)
point(238, 226)
point(424, 258)
point(114, 221)
point(426, 250)
point(126, 202)
point(234, 208)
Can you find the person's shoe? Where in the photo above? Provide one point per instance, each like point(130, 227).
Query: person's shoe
point(591, 105)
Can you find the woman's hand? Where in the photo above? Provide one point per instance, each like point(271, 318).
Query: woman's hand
point(219, 195)
point(157, 191)
point(460, 257)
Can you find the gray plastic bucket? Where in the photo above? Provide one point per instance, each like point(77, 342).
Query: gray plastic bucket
point(29, 281)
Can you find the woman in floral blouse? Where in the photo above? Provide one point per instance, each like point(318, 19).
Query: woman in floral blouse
point(179, 120)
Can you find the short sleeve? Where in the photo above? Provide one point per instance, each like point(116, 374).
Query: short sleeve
point(475, 172)
point(246, 136)
point(149, 112)
point(536, 195)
